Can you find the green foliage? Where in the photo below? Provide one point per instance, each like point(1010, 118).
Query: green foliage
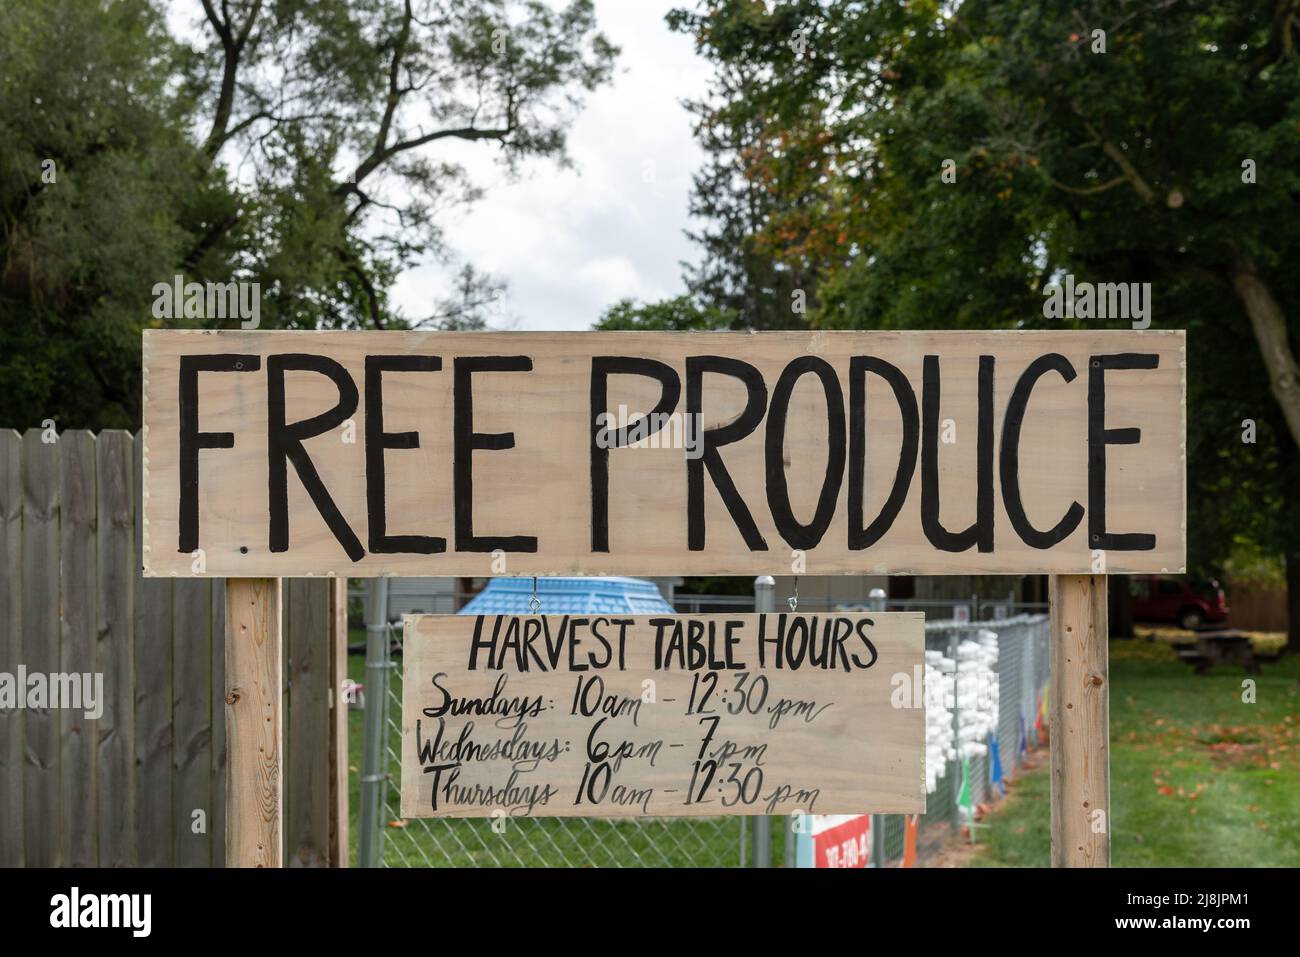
point(298, 145)
point(681, 314)
point(1122, 166)
point(86, 88)
point(769, 280)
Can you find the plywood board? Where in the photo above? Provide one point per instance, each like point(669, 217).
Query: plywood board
point(608, 716)
point(823, 453)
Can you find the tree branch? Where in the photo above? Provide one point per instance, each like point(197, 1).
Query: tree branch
point(208, 240)
point(375, 160)
point(232, 48)
point(1280, 44)
point(1116, 156)
point(1090, 190)
point(355, 267)
point(383, 151)
point(1269, 325)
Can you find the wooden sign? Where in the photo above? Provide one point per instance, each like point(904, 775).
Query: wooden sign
point(674, 715)
point(408, 453)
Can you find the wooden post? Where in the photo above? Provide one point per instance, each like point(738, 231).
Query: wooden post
point(254, 736)
point(1080, 722)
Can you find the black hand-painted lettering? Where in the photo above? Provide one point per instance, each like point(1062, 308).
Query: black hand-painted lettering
point(713, 439)
point(1098, 438)
point(602, 367)
point(377, 440)
point(192, 440)
point(980, 532)
point(798, 535)
point(284, 444)
point(1009, 461)
point(466, 440)
point(859, 366)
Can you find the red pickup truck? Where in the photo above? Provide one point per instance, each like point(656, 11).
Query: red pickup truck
point(1190, 603)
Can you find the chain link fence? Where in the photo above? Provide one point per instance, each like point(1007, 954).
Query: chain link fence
point(540, 842)
point(1021, 675)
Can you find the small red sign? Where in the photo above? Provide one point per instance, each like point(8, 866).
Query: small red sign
point(845, 844)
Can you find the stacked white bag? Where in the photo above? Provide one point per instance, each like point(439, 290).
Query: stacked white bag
point(977, 692)
point(939, 745)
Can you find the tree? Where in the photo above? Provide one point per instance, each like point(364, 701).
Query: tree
point(737, 271)
point(1115, 141)
point(681, 314)
point(297, 144)
point(100, 193)
point(759, 258)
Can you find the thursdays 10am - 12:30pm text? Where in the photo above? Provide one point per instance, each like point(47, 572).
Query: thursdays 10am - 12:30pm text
point(663, 715)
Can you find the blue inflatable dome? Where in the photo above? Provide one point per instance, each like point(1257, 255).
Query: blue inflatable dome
point(569, 596)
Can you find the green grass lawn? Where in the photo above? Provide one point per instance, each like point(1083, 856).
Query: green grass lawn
point(535, 842)
point(1198, 778)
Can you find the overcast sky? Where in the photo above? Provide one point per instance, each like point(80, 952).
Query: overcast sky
point(571, 242)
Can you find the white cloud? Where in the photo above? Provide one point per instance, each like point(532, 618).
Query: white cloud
point(571, 242)
point(613, 278)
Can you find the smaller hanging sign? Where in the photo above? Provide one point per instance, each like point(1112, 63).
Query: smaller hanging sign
point(671, 715)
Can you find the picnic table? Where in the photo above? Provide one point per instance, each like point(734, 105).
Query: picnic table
point(1222, 645)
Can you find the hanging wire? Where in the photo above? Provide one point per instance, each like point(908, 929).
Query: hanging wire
point(534, 603)
point(794, 599)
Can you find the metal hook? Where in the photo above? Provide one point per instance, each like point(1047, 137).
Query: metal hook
point(794, 599)
point(534, 603)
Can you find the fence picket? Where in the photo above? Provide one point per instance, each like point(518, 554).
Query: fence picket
point(78, 658)
point(192, 720)
point(119, 569)
point(307, 722)
point(11, 646)
point(153, 710)
point(40, 645)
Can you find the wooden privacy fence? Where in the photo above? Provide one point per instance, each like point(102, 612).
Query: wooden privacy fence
point(1257, 607)
point(144, 783)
